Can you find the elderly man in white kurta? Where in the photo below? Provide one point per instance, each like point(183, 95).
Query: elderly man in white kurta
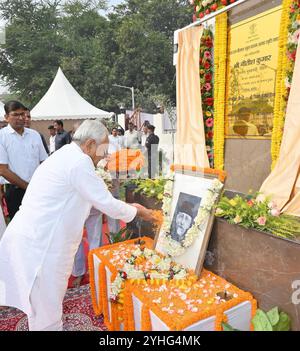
point(38, 247)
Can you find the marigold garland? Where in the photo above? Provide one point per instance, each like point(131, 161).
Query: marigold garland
point(177, 322)
point(281, 91)
point(145, 318)
point(206, 171)
point(203, 8)
point(97, 306)
point(103, 296)
point(102, 306)
point(151, 294)
point(220, 89)
point(129, 324)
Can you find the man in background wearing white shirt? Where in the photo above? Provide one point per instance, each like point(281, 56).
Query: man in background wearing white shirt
point(131, 138)
point(21, 152)
point(52, 139)
point(144, 135)
point(114, 142)
point(38, 247)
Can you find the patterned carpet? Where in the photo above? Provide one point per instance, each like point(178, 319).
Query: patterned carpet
point(78, 314)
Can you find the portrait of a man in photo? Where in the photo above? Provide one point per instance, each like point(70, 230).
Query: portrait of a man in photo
point(186, 210)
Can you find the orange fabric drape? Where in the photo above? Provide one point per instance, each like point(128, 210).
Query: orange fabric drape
point(284, 182)
point(190, 148)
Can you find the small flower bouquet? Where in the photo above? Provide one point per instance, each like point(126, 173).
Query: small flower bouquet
point(258, 212)
point(106, 176)
point(153, 188)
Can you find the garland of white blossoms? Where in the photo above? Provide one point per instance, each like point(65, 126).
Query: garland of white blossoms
point(158, 267)
point(105, 175)
point(174, 248)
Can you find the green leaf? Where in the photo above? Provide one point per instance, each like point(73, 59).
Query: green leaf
point(261, 321)
point(284, 323)
point(228, 327)
point(273, 316)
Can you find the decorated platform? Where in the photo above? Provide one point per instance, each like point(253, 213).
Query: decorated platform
point(135, 288)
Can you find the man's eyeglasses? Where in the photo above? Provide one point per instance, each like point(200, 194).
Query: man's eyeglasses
point(15, 114)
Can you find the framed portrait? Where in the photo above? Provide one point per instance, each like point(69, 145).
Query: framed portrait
point(188, 206)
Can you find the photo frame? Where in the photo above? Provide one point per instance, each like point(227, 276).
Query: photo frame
point(189, 215)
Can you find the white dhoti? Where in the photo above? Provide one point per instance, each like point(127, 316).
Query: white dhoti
point(93, 226)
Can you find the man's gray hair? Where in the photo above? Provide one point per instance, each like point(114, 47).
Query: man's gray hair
point(90, 129)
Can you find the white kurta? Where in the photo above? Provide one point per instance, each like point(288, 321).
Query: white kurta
point(40, 243)
point(2, 223)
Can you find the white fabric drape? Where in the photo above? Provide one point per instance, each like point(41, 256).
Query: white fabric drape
point(284, 182)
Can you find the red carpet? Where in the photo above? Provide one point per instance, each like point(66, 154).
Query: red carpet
point(78, 314)
point(78, 310)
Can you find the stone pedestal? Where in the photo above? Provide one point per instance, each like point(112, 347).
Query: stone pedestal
point(257, 262)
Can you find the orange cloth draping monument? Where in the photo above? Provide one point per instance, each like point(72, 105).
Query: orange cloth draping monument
point(190, 146)
point(284, 182)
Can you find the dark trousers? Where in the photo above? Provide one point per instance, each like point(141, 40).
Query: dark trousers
point(14, 197)
point(152, 165)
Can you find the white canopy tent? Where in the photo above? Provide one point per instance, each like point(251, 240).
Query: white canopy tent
point(62, 101)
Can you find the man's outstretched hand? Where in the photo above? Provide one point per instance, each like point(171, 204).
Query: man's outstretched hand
point(144, 213)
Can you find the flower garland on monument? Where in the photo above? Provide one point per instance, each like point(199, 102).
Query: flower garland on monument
point(206, 83)
point(203, 8)
point(281, 93)
point(288, 49)
point(145, 265)
point(293, 37)
point(174, 248)
point(220, 89)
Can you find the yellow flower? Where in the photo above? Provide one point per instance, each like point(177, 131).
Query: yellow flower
point(208, 114)
point(157, 260)
point(232, 202)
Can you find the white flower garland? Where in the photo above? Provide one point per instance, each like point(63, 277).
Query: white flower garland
point(158, 268)
point(174, 248)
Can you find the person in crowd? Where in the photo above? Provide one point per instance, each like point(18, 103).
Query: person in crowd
point(62, 137)
point(38, 247)
point(52, 133)
point(28, 125)
point(131, 138)
point(121, 133)
point(114, 142)
point(152, 150)
point(144, 134)
point(21, 152)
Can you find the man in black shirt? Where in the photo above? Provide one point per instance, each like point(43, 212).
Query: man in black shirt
point(62, 137)
point(152, 148)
